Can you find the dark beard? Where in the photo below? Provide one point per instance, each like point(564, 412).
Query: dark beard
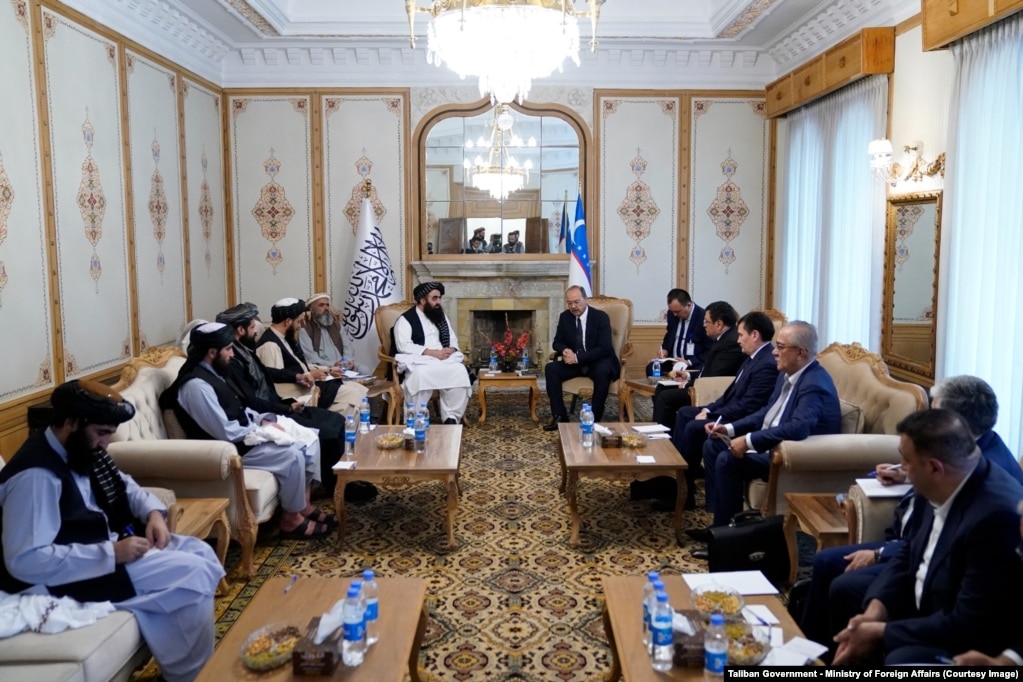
point(434, 314)
point(79, 455)
point(248, 341)
point(220, 365)
point(290, 334)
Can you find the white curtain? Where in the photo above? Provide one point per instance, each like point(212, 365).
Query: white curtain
point(832, 252)
point(980, 309)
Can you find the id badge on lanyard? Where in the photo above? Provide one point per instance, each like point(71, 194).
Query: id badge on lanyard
point(690, 349)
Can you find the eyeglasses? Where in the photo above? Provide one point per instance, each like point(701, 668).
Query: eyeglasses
point(786, 346)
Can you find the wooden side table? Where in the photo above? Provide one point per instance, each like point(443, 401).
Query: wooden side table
point(203, 516)
point(633, 386)
point(818, 515)
point(508, 380)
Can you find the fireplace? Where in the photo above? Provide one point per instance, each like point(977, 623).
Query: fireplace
point(487, 325)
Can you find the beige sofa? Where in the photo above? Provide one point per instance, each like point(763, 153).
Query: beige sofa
point(151, 447)
point(824, 464)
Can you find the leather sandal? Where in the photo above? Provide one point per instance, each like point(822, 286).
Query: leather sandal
point(322, 517)
point(307, 530)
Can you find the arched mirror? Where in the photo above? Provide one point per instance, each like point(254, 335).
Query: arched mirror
point(911, 285)
point(493, 181)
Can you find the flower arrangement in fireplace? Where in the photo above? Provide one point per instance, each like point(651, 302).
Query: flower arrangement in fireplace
point(510, 346)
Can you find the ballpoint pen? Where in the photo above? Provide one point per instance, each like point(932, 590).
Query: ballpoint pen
point(291, 583)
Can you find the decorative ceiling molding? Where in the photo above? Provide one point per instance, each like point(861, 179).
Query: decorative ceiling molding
point(831, 25)
point(251, 16)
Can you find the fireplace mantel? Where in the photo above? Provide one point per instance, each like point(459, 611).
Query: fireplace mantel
point(499, 284)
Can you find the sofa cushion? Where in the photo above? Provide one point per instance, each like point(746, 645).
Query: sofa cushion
point(852, 418)
point(261, 489)
point(43, 672)
point(143, 392)
point(103, 647)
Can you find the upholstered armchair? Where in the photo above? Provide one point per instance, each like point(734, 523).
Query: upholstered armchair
point(384, 318)
point(620, 312)
point(824, 464)
point(152, 448)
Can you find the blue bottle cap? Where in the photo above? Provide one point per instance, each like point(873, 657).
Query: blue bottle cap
point(357, 584)
point(659, 585)
point(662, 597)
point(367, 575)
point(653, 575)
point(353, 591)
point(717, 620)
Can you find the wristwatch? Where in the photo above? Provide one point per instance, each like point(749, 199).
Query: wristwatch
point(877, 555)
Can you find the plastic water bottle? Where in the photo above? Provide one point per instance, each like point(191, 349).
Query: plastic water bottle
point(419, 444)
point(715, 649)
point(371, 592)
point(656, 369)
point(353, 642)
point(350, 435)
point(586, 425)
point(364, 415)
point(426, 414)
point(648, 603)
point(662, 634)
point(493, 361)
point(524, 363)
point(410, 416)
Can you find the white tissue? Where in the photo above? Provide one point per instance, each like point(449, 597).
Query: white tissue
point(409, 432)
point(329, 622)
point(602, 430)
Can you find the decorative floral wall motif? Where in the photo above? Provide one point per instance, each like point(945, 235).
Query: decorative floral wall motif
point(92, 202)
point(638, 210)
point(759, 107)
point(206, 210)
point(610, 108)
point(273, 212)
point(239, 105)
point(363, 166)
point(728, 211)
point(45, 375)
point(393, 105)
point(701, 107)
point(6, 200)
point(158, 208)
point(49, 26)
point(21, 12)
point(332, 105)
point(668, 107)
point(300, 105)
point(906, 218)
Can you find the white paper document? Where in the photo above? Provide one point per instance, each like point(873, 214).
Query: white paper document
point(872, 488)
point(344, 465)
point(658, 436)
point(651, 428)
point(668, 382)
point(758, 614)
point(746, 582)
point(645, 459)
point(797, 651)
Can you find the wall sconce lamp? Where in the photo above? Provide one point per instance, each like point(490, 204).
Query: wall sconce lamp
point(913, 168)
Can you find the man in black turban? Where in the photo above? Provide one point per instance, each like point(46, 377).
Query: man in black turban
point(426, 348)
point(76, 526)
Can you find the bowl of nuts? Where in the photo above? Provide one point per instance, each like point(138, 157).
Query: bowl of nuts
point(270, 646)
point(633, 440)
point(390, 441)
point(751, 646)
point(711, 598)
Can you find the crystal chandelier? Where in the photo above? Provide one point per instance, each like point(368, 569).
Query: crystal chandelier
point(505, 43)
point(501, 174)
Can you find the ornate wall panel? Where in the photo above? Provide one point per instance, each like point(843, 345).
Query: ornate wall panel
point(638, 138)
point(364, 137)
point(24, 286)
point(728, 200)
point(156, 182)
point(204, 162)
point(270, 162)
point(82, 86)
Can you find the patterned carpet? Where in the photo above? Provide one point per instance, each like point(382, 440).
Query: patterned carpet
point(512, 601)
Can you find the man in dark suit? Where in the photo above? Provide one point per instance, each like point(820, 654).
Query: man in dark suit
point(804, 403)
point(685, 339)
point(723, 359)
point(583, 340)
point(952, 584)
point(745, 395)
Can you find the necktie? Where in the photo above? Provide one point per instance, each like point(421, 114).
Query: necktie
point(775, 410)
point(579, 345)
point(680, 344)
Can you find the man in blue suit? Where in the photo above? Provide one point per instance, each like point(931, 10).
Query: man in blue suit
point(804, 403)
point(685, 339)
point(954, 582)
point(583, 342)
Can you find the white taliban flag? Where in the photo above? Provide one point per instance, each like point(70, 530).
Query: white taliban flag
point(371, 285)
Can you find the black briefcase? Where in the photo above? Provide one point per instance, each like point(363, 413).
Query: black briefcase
point(751, 542)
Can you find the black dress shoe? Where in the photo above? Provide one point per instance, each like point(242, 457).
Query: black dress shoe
point(699, 534)
point(552, 425)
point(701, 554)
point(450, 420)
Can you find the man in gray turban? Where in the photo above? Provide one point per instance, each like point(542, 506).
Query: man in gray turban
point(209, 409)
point(73, 525)
point(426, 348)
point(320, 337)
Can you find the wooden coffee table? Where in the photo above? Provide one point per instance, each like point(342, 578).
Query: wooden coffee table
point(507, 380)
point(818, 515)
point(616, 464)
point(623, 623)
point(400, 467)
point(402, 626)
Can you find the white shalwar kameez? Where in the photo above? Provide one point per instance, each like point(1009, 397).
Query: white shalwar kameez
point(174, 586)
point(448, 377)
point(294, 465)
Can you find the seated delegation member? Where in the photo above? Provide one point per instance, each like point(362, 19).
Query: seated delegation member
point(75, 526)
point(685, 340)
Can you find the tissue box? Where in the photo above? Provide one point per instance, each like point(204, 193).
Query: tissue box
point(316, 659)
point(409, 443)
point(689, 648)
point(613, 440)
